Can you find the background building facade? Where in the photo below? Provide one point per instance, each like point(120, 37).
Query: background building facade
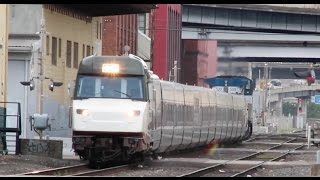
point(47, 41)
point(167, 40)
point(117, 32)
point(3, 49)
point(199, 59)
point(3, 57)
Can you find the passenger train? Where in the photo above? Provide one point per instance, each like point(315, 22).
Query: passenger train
point(121, 110)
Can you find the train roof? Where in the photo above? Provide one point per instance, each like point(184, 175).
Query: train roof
point(127, 65)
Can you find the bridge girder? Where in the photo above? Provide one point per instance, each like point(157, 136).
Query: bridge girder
point(109, 9)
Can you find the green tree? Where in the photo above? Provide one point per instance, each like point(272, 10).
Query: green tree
point(313, 110)
point(289, 108)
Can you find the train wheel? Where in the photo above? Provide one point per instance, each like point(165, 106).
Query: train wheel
point(95, 164)
point(137, 158)
point(83, 158)
point(155, 156)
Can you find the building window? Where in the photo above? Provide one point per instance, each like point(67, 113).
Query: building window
point(88, 51)
point(59, 47)
point(68, 54)
point(97, 30)
point(142, 23)
point(75, 55)
point(83, 51)
point(47, 45)
point(54, 51)
point(100, 31)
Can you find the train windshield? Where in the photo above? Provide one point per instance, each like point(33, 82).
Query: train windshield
point(128, 87)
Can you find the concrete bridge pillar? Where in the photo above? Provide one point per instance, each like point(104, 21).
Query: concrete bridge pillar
point(277, 108)
point(276, 113)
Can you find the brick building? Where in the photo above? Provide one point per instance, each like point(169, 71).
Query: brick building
point(199, 61)
point(117, 32)
point(167, 40)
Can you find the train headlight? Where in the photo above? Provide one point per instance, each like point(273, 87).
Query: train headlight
point(110, 68)
point(133, 113)
point(83, 112)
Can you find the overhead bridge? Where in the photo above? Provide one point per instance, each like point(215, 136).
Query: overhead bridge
point(109, 9)
point(255, 33)
point(294, 91)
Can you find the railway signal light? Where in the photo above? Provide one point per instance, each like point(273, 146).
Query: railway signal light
point(300, 105)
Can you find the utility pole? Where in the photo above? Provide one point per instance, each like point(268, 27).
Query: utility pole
point(175, 71)
point(250, 70)
point(41, 71)
point(265, 94)
point(152, 38)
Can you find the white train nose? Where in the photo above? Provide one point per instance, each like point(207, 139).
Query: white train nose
point(114, 116)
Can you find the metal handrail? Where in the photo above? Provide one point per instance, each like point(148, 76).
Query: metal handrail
point(17, 130)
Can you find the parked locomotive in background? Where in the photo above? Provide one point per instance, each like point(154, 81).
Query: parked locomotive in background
point(121, 110)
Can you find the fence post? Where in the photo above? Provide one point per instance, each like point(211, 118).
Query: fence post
point(309, 134)
point(306, 130)
point(318, 157)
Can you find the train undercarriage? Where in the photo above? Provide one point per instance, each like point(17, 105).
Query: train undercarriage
point(100, 150)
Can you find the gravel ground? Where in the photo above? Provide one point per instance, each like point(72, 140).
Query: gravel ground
point(294, 171)
point(11, 164)
point(154, 171)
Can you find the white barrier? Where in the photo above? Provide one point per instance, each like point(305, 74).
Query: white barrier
point(307, 130)
point(309, 136)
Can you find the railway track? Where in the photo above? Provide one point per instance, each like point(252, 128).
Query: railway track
point(77, 170)
point(260, 155)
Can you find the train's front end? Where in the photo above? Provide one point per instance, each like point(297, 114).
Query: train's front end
point(109, 116)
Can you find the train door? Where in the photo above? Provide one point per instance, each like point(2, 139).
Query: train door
point(212, 116)
point(229, 118)
point(167, 102)
point(204, 110)
point(177, 117)
point(236, 123)
point(155, 113)
point(232, 122)
point(220, 111)
point(242, 120)
point(196, 119)
point(188, 124)
point(240, 105)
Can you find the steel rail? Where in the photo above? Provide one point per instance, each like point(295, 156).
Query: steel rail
point(103, 172)
point(206, 170)
point(260, 164)
point(57, 171)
